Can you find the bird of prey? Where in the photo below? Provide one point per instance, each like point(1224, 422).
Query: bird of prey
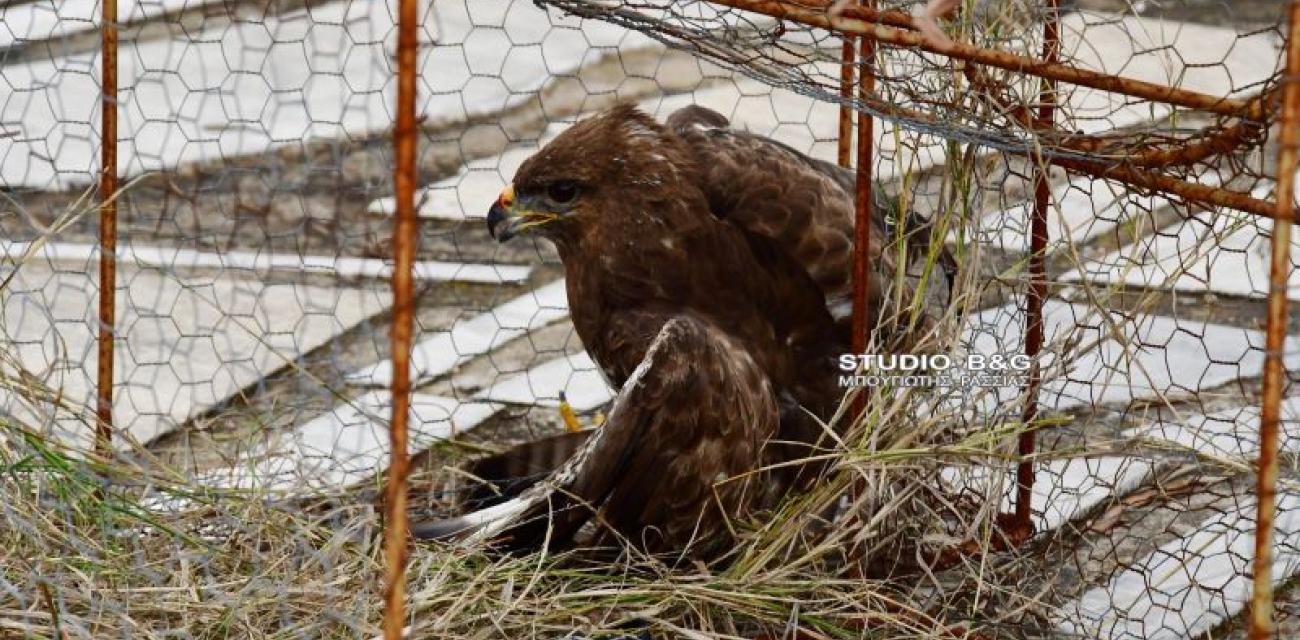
point(706, 269)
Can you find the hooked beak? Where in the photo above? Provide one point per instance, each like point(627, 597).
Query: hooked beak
point(507, 219)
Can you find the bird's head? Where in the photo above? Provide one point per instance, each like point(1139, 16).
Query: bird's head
point(612, 162)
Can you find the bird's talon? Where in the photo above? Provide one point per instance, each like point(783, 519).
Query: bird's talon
point(571, 422)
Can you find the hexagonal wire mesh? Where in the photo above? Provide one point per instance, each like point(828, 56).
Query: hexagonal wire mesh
point(254, 228)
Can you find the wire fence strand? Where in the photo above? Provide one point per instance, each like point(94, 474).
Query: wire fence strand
point(253, 322)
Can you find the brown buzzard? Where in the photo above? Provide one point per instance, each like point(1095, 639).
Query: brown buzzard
point(708, 276)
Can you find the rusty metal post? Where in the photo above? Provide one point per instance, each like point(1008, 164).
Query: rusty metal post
point(862, 227)
point(107, 229)
point(1046, 117)
point(405, 236)
point(846, 94)
point(1261, 604)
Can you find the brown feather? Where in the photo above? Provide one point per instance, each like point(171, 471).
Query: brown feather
point(807, 206)
point(668, 463)
point(510, 472)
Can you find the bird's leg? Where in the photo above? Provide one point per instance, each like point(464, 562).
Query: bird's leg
point(928, 22)
point(571, 422)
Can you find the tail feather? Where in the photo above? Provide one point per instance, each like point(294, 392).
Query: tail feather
point(625, 470)
point(507, 475)
point(480, 524)
point(511, 472)
point(541, 507)
point(555, 509)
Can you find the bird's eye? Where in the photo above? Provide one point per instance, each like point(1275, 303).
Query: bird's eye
point(562, 192)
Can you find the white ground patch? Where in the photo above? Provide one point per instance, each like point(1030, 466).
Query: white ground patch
point(576, 375)
point(1197, 582)
point(468, 194)
point(1197, 57)
point(1209, 59)
point(185, 344)
point(1231, 435)
point(42, 19)
point(261, 264)
point(322, 73)
point(349, 444)
point(1189, 585)
point(1063, 489)
point(1066, 489)
point(464, 196)
point(1164, 357)
point(438, 354)
point(1073, 213)
point(1081, 210)
point(1223, 251)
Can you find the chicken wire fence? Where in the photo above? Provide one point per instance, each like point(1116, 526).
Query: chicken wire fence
point(254, 232)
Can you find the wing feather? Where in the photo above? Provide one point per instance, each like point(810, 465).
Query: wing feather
point(670, 461)
point(807, 206)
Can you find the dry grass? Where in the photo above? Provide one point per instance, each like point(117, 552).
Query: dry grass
point(127, 547)
point(87, 553)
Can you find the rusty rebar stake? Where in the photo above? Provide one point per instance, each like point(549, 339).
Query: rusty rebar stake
point(1046, 117)
point(1261, 602)
point(405, 237)
point(863, 212)
point(845, 140)
point(107, 231)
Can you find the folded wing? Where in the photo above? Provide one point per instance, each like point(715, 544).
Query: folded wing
point(807, 206)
